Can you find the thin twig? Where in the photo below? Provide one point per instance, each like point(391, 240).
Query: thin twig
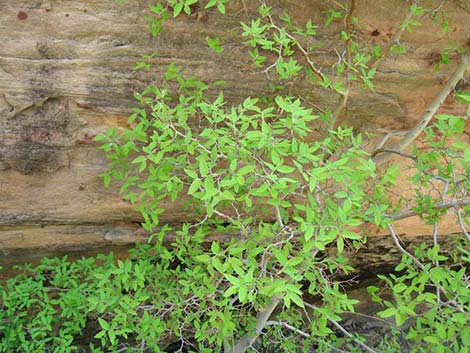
point(344, 331)
point(434, 238)
point(290, 327)
point(343, 99)
point(395, 238)
point(419, 264)
point(279, 217)
point(395, 38)
point(310, 63)
point(387, 150)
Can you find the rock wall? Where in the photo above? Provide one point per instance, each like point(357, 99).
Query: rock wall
point(66, 75)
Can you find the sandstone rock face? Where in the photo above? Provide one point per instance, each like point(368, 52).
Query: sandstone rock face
point(66, 75)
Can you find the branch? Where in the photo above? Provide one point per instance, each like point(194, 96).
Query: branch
point(343, 330)
point(439, 206)
point(261, 321)
point(387, 150)
point(419, 264)
point(412, 134)
point(316, 71)
point(290, 327)
point(436, 263)
point(396, 37)
point(386, 137)
point(394, 235)
point(461, 222)
point(343, 99)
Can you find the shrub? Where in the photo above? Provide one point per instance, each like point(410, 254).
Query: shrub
point(274, 192)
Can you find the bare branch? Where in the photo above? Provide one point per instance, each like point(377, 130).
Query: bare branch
point(439, 206)
point(263, 316)
point(429, 113)
point(387, 136)
point(461, 223)
point(394, 235)
point(290, 327)
point(387, 150)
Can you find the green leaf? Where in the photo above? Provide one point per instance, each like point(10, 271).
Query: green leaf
point(139, 159)
point(466, 155)
point(309, 231)
point(177, 9)
point(209, 188)
point(103, 323)
point(191, 173)
point(340, 245)
point(228, 195)
point(204, 258)
point(214, 44)
point(203, 168)
point(195, 185)
point(388, 312)
point(285, 169)
point(106, 179)
point(210, 4)
point(246, 169)
point(99, 138)
point(215, 247)
point(233, 280)
point(351, 235)
point(221, 8)
point(296, 299)
point(242, 293)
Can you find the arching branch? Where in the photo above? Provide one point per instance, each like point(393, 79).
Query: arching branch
point(426, 117)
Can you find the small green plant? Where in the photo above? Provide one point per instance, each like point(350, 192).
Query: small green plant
point(277, 195)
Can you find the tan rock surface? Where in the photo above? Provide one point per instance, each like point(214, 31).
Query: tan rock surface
point(66, 75)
